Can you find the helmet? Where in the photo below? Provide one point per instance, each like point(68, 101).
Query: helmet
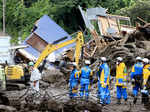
point(145, 60)
point(103, 58)
point(138, 58)
point(74, 64)
point(87, 62)
point(31, 63)
point(119, 59)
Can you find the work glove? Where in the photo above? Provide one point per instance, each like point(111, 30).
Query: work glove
point(144, 91)
point(133, 81)
point(34, 83)
point(144, 88)
point(125, 84)
point(95, 80)
point(104, 85)
point(76, 87)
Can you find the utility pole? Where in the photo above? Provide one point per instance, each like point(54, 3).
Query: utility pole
point(22, 2)
point(4, 4)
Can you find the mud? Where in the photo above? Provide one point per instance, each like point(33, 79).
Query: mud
point(56, 99)
point(54, 88)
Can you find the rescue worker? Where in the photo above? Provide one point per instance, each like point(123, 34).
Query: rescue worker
point(73, 81)
point(103, 82)
point(146, 75)
point(85, 79)
point(136, 77)
point(35, 77)
point(121, 84)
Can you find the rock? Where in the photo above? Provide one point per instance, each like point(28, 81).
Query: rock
point(7, 108)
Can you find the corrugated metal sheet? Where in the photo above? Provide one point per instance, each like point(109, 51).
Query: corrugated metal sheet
point(86, 20)
point(93, 12)
point(48, 31)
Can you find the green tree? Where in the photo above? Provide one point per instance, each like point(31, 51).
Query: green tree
point(20, 19)
point(140, 8)
point(22, 14)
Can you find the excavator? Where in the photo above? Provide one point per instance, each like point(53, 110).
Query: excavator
point(79, 40)
point(15, 73)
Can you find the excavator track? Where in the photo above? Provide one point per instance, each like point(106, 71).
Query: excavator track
point(15, 86)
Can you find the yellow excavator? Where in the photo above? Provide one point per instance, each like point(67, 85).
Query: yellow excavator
point(16, 72)
point(79, 40)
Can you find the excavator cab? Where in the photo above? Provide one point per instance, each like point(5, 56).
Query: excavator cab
point(14, 72)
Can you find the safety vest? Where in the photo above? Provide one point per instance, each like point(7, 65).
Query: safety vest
point(137, 70)
point(104, 74)
point(74, 76)
point(121, 74)
point(146, 74)
point(85, 72)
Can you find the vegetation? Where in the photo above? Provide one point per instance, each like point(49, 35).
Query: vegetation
point(22, 14)
point(140, 8)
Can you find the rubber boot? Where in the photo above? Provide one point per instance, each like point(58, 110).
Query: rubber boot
point(145, 99)
point(118, 101)
point(86, 98)
point(135, 100)
point(125, 101)
point(98, 100)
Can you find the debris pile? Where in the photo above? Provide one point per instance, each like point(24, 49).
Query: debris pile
point(111, 44)
point(54, 76)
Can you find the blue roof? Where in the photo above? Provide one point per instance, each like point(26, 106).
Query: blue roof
point(49, 31)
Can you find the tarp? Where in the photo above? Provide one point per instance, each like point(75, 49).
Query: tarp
point(49, 31)
point(4, 49)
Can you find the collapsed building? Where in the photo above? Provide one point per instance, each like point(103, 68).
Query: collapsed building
point(114, 36)
point(110, 39)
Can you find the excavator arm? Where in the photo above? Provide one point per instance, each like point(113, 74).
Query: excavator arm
point(79, 40)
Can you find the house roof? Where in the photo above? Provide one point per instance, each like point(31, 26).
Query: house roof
point(48, 31)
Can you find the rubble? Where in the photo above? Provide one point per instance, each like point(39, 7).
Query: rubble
point(54, 76)
point(128, 46)
point(4, 108)
point(54, 85)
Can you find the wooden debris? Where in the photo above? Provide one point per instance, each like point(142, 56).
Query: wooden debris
point(141, 20)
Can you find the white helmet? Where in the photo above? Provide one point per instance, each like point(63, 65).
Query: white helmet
point(138, 58)
point(103, 58)
point(119, 59)
point(145, 60)
point(74, 64)
point(87, 62)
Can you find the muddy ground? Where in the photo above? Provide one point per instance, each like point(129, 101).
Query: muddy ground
point(54, 97)
point(54, 88)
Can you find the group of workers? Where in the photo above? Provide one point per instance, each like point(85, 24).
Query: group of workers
point(139, 76)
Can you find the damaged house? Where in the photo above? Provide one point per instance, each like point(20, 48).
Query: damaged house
point(45, 32)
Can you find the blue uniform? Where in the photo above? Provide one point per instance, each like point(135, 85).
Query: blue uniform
point(85, 75)
point(136, 74)
point(103, 83)
point(121, 78)
point(74, 76)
